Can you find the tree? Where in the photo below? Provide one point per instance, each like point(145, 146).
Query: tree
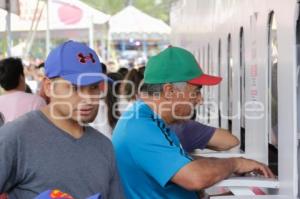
point(107, 6)
point(156, 8)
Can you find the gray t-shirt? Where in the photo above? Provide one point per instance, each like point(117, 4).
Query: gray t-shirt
point(36, 156)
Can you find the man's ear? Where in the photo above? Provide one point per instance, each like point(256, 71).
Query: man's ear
point(46, 84)
point(168, 91)
point(103, 86)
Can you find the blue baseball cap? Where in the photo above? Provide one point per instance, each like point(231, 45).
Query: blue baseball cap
point(76, 63)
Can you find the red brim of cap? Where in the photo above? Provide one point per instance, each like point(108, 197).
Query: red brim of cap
point(207, 80)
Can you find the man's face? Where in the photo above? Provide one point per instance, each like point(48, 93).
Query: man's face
point(185, 101)
point(79, 103)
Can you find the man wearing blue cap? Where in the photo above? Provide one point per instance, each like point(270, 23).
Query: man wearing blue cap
point(55, 148)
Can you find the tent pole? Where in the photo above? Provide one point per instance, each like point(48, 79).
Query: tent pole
point(91, 33)
point(103, 47)
point(145, 48)
point(33, 30)
point(48, 29)
point(108, 46)
point(145, 45)
point(8, 26)
point(123, 45)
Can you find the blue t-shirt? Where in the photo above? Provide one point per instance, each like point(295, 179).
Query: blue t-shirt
point(148, 155)
point(192, 134)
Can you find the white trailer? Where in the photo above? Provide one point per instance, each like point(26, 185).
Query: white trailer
point(254, 46)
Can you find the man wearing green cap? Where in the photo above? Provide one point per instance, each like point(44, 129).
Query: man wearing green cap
point(150, 159)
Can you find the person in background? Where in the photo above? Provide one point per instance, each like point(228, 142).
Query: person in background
point(112, 97)
point(1, 119)
point(150, 158)
point(55, 148)
point(28, 89)
point(15, 101)
point(104, 68)
point(123, 71)
point(129, 88)
point(107, 118)
point(112, 66)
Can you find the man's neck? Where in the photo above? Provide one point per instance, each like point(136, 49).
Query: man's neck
point(14, 90)
point(69, 126)
point(157, 106)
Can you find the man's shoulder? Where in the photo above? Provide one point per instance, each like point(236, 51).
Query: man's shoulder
point(14, 130)
point(20, 94)
point(137, 123)
point(138, 116)
point(26, 98)
point(18, 125)
point(34, 98)
point(138, 130)
point(191, 124)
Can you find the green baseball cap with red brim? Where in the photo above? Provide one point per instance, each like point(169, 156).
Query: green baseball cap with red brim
point(176, 64)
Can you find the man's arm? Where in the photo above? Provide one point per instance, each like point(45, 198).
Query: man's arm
point(8, 157)
point(222, 140)
point(194, 135)
point(205, 172)
point(115, 188)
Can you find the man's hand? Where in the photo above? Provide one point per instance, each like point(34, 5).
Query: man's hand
point(243, 165)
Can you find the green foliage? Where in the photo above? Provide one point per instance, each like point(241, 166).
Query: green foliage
point(159, 9)
point(107, 6)
point(156, 8)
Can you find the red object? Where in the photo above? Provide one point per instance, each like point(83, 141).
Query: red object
point(57, 194)
point(3, 196)
point(206, 80)
point(83, 59)
point(69, 14)
point(258, 191)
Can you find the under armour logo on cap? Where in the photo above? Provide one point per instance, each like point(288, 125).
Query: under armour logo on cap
point(84, 59)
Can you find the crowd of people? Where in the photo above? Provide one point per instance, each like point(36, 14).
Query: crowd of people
point(124, 134)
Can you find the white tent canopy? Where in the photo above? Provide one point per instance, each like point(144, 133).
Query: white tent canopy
point(131, 22)
point(64, 14)
point(14, 6)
